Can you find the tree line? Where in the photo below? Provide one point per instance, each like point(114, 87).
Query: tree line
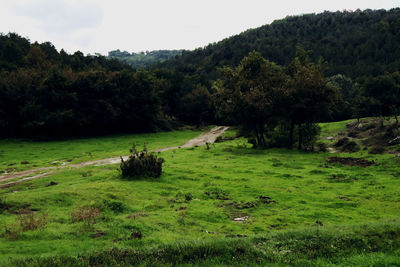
point(277, 102)
point(44, 92)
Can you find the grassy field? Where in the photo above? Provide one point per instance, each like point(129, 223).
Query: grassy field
point(17, 155)
point(260, 206)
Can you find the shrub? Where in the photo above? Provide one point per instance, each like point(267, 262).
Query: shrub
point(113, 205)
point(346, 145)
point(322, 147)
point(353, 134)
point(188, 197)
point(141, 164)
point(309, 132)
point(341, 142)
point(3, 206)
point(377, 150)
point(351, 147)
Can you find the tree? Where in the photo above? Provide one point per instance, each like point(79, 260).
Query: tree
point(385, 93)
point(198, 105)
point(250, 93)
point(309, 95)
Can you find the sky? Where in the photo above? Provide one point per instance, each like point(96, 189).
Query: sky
point(99, 26)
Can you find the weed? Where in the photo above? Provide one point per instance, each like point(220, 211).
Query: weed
point(188, 197)
point(136, 235)
point(30, 221)
point(113, 205)
point(87, 214)
point(25, 222)
point(217, 194)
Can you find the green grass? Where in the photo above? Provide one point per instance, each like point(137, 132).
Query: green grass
point(196, 200)
point(364, 245)
point(54, 153)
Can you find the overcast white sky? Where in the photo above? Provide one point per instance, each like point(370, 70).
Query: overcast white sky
point(104, 25)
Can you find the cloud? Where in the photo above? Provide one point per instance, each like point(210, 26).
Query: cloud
point(137, 25)
point(60, 16)
point(68, 24)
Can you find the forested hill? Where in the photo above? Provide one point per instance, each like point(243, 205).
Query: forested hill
point(143, 59)
point(353, 43)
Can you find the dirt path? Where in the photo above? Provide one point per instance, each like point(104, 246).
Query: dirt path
point(207, 137)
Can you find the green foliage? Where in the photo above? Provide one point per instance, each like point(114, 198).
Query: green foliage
point(141, 164)
point(3, 205)
point(250, 94)
point(384, 94)
point(309, 133)
point(270, 105)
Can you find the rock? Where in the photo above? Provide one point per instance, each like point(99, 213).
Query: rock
point(329, 138)
point(395, 141)
point(241, 219)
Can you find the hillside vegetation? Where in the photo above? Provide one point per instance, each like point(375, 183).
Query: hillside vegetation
point(356, 44)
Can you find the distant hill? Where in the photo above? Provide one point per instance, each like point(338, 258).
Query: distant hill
point(355, 43)
point(143, 59)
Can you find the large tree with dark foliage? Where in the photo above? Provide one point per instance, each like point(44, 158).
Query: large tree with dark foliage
point(384, 94)
point(259, 96)
point(310, 97)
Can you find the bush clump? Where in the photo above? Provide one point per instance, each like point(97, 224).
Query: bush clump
point(3, 206)
point(322, 147)
point(345, 145)
point(377, 150)
point(141, 164)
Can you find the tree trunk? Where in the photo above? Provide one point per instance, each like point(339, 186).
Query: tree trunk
point(300, 137)
point(291, 134)
point(262, 135)
point(257, 136)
